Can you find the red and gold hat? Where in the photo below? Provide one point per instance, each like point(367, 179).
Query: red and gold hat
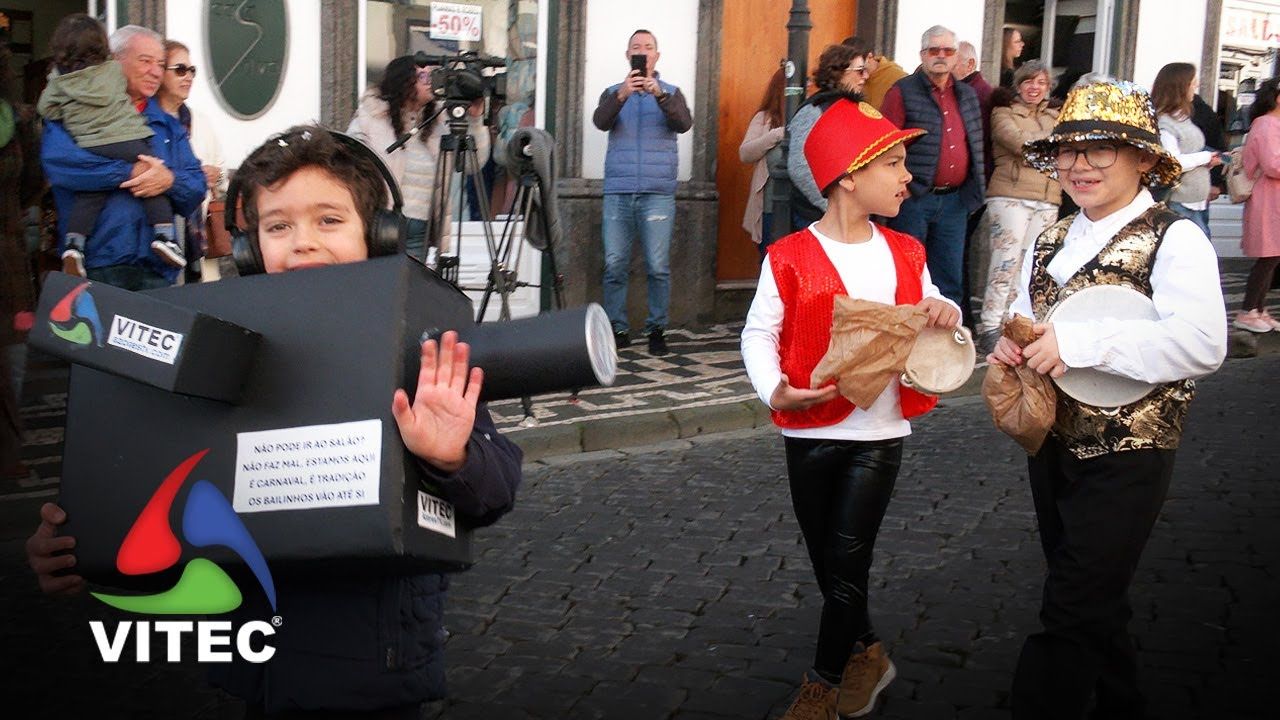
point(848, 136)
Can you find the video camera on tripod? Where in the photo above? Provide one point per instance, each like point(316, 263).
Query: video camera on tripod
point(461, 79)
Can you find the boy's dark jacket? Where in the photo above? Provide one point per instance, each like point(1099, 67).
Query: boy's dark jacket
point(352, 643)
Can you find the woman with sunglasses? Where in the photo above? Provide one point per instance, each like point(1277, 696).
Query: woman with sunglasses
point(175, 88)
point(842, 71)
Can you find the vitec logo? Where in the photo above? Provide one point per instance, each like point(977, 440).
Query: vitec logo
point(75, 317)
point(203, 588)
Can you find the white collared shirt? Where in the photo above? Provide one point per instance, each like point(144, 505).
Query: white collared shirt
point(868, 272)
point(1190, 338)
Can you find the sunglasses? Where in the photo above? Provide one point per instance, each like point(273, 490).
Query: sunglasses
point(863, 71)
point(943, 51)
point(182, 69)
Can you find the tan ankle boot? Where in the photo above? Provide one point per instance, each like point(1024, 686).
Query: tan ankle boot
point(865, 675)
point(816, 701)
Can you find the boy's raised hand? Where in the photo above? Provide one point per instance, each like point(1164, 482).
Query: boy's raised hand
point(438, 424)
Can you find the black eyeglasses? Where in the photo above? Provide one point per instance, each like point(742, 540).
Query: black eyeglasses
point(863, 71)
point(182, 69)
point(1099, 157)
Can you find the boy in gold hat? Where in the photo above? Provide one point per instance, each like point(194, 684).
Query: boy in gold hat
point(1101, 476)
point(842, 461)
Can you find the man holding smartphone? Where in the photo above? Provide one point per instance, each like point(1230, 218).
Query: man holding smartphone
point(642, 115)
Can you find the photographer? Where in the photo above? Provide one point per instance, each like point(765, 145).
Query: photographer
point(642, 115)
point(394, 107)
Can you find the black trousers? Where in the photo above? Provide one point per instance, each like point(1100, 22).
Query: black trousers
point(1095, 517)
point(840, 490)
point(87, 206)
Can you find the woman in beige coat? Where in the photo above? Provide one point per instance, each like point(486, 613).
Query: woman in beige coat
point(761, 146)
point(1021, 202)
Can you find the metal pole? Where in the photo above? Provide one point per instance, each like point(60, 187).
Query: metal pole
point(796, 70)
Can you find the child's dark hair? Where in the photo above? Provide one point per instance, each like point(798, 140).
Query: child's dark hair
point(305, 146)
point(79, 42)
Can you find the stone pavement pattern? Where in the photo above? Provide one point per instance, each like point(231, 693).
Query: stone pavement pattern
point(671, 583)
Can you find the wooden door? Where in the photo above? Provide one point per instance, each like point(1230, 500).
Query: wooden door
point(754, 40)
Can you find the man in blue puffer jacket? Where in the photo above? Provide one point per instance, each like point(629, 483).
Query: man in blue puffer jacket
point(642, 115)
point(120, 253)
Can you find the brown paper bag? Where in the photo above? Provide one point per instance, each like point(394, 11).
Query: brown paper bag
point(1022, 402)
point(870, 342)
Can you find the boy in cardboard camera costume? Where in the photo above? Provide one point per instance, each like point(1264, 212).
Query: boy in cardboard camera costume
point(1100, 478)
point(354, 645)
point(842, 461)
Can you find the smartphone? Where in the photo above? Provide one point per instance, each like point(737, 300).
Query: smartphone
point(641, 63)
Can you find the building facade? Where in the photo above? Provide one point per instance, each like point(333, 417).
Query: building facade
point(310, 60)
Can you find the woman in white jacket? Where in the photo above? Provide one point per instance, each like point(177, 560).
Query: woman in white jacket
point(395, 106)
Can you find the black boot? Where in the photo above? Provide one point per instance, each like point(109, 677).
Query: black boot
point(657, 343)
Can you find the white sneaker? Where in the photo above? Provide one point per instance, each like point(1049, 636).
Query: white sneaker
point(1252, 321)
point(73, 262)
point(170, 252)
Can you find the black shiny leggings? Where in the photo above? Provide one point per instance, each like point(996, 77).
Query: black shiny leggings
point(840, 490)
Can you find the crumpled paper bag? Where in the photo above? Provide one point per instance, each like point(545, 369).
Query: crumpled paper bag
point(870, 342)
point(1022, 402)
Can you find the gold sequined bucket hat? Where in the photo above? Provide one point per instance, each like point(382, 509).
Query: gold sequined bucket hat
point(1113, 110)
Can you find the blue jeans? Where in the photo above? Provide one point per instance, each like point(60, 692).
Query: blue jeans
point(938, 221)
point(651, 217)
point(129, 277)
point(1199, 217)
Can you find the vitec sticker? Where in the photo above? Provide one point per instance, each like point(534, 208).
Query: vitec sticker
point(309, 467)
point(145, 340)
point(435, 515)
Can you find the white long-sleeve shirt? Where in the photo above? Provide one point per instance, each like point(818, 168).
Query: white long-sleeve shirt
point(868, 273)
point(1190, 338)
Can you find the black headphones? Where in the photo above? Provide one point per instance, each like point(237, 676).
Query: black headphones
point(385, 234)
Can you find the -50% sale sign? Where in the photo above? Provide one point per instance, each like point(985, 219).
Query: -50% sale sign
point(452, 21)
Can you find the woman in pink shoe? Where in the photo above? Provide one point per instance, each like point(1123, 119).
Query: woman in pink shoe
point(1261, 240)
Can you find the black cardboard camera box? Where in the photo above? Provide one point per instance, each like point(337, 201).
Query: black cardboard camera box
point(311, 459)
point(143, 337)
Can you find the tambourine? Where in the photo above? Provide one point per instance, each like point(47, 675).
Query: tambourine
point(1093, 386)
point(941, 360)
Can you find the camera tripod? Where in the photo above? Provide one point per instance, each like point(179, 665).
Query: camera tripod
point(533, 167)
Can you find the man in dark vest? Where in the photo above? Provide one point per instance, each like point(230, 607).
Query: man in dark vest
point(946, 164)
point(642, 115)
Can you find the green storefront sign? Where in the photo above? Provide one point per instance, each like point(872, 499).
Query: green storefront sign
point(248, 43)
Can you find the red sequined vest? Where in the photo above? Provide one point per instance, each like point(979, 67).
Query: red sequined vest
point(807, 283)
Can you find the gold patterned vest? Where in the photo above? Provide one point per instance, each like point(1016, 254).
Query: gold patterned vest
point(1156, 420)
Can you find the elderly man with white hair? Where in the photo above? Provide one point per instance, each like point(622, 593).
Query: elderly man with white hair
point(946, 164)
point(120, 253)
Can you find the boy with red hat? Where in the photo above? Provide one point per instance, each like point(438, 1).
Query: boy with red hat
point(842, 460)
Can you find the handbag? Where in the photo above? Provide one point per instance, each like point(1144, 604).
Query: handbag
point(1239, 184)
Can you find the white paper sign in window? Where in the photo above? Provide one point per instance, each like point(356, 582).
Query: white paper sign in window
point(454, 21)
point(310, 467)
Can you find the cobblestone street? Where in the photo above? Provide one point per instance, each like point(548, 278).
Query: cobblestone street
point(670, 582)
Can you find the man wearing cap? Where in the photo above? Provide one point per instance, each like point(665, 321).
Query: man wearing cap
point(842, 460)
point(946, 165)
point(1100, 478)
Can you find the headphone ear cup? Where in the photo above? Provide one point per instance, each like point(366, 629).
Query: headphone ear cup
point(390, 229)
point(246, 253)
